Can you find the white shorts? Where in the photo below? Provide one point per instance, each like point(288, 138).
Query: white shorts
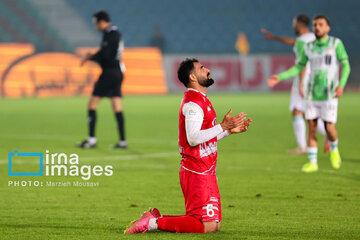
point(296, 101)
point(325, 110)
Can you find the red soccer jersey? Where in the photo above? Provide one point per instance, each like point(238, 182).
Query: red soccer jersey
point(200, 159)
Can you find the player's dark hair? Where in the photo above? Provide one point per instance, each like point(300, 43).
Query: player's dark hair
point(185, 69)
point(304, 19)
point(322, 17)
point(102, 15)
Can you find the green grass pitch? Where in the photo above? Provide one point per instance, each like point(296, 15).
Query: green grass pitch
point(264, 194)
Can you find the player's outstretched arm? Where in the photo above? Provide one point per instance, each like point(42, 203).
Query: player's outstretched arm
point(273, 80)
point(291, 72)
point(267, 35)
point(286, 40)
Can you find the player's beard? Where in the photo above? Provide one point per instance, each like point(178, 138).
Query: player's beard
point(297, 33)
point(207, 82)
point(318, 36)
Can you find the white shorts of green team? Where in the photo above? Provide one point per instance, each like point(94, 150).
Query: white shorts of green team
point(325, 110)
point(296, 101)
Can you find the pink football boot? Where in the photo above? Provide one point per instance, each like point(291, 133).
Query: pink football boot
point(141, 225)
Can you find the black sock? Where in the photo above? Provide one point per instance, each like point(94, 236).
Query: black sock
point(120, 123)
point(92, 121)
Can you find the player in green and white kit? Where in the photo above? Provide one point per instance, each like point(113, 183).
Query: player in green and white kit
point(323, 88)
point(297, 101)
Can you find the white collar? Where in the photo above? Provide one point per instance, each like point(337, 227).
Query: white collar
point(196, 91)
point(111, 28)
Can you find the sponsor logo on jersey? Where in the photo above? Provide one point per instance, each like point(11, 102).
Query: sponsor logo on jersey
point(192, 112)
point(214, 122)
point(208, 149)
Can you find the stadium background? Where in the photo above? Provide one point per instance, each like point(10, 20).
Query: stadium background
point(208, 30)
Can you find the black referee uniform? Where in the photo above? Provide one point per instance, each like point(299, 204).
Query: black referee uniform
point(109, 57)
point(110, 80)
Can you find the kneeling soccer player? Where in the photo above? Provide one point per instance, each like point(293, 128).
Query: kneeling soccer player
point(198, 136)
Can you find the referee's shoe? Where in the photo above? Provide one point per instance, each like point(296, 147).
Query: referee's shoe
point(87, 143)
point(121, 144)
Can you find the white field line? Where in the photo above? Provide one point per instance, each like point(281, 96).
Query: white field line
point(133, 156)
point(71, 138)
point(276, 170)
point(169, 154)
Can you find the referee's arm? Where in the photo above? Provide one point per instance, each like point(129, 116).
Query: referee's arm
point(108, 52)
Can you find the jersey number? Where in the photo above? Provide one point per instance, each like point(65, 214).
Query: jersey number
point(327, 59)
point(210, 210)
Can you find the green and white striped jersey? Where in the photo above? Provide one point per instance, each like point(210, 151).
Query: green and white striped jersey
point(324, 56)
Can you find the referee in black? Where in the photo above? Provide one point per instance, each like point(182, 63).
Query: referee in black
point(109, 83)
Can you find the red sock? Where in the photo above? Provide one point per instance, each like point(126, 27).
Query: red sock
point(180, 224)
point(171, 216)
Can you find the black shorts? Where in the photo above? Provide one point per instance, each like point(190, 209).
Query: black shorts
point(109, 84)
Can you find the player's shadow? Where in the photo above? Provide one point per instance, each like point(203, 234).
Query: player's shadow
point(352, 160)
point(351, 176)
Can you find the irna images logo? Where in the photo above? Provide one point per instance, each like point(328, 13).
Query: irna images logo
point(58, 164)
point(15, 153)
